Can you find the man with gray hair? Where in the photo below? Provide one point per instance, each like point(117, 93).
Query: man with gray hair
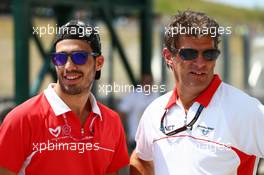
point(203, 126)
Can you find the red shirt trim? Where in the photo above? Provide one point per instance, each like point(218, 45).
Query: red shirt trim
point(247, 162)
point(204, 98)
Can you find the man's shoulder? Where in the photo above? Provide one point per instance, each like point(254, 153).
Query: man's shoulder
point(27, 108)
point(110, 119)
point(161, 101)
point(31, 103)
point(106, 111)
point(234, 98)
point(157, 106)
point(232, 93)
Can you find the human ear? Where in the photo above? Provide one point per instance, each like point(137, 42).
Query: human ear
point(167, 57)
point(99, 62)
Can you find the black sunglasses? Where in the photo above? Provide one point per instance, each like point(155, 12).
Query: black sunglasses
point(183, 128)
point(78, 57)
point(191, 54)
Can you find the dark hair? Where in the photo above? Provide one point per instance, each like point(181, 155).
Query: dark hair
point(190, 21)
point(76, 29)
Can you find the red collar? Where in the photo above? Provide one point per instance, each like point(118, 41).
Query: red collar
point(204, 98)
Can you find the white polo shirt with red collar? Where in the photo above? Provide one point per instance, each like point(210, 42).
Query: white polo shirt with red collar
point(227, 138)
point(43, 136)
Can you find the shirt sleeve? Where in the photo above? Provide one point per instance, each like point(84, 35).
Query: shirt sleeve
point(144, 138)
point(13, 142)
point(255, 142)
point(249, 131)
point(120, 157)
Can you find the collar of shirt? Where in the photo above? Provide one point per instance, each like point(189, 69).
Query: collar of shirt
point(59, 107)
point(204, 98)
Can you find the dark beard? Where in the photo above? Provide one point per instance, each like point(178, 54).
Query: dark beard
point(73, 89)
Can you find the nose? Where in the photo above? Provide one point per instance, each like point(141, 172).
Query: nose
point(200, 61)
point(70, 65)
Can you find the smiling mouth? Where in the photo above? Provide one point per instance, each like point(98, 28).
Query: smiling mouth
point(72, 77)
point(198, 73)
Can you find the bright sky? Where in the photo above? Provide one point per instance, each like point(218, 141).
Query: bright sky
point(244, 3)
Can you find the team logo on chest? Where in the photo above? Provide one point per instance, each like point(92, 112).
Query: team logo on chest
point(55, 132)
point(205, 130)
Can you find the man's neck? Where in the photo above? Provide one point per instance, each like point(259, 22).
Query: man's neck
point(79, 104)
point(186, 97)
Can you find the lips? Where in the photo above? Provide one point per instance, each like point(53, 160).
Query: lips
point(197, 73)
point(71, 79)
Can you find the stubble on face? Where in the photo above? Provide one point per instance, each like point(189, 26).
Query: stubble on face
point(74, 89)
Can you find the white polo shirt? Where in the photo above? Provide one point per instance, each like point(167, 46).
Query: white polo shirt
point(227, 138)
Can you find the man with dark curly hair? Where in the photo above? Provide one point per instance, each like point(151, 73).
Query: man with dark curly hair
point(203, 126)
